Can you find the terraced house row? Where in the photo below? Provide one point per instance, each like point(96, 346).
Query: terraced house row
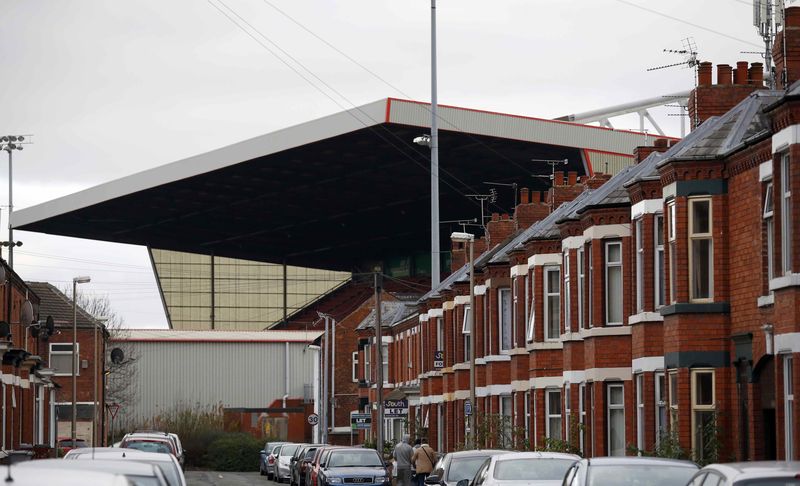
point(615, 314)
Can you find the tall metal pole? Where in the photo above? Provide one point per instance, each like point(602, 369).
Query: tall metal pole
point(332, 417)
point(435, 266)
point(472, 401)
point(74, 359)
point(379, 359)
point(324, 409)
point(10, 210)
point(94, 391)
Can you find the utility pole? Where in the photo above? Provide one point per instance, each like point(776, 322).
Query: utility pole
point(379, 359)
point(435, 252)
point(324, 409)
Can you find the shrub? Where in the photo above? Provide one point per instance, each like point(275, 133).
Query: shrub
point(234, 452)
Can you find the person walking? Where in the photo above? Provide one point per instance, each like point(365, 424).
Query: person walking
point(423, 459)
point(402, 457)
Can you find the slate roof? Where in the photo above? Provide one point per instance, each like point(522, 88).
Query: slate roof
point(393, 312)
point(55, 303)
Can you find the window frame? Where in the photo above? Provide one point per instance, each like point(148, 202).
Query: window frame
point(694, 237)
point(768, 216)
point(640, 412)
point(610, 407)
point(77, 358)
point(698, 408)
point(582, 415)
point(608, 265)
point(526, 410)
point(465, 332)
point(552, 416)
point(501, 322)
point(567, 306)
point(661, 427)
point(567, 411)
point(788, 406)
point(581, 285)
point(354, 366)
point(639, 246)
point(673, 400)
point(589, 293)
point(659, 263)
point(506, 403)
point(385, 369)
point(439, 334)
point(672, 244)
point(786, 214)
point(527, 301)
point(530, 325)
point(549, 295)
point(514, 313)
point(367, 363)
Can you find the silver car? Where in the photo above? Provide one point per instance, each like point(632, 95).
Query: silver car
point(31, 476)
point(283, 462)
point(523, 469)
point(760, 473)
point(630, 471)
point(138, 473)
point(166, 462)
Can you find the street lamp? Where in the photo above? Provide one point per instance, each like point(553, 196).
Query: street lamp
point(99, 321)
point(75, 282)
point(10, 143)
point(459, 237)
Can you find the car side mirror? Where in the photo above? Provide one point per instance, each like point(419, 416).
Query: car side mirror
point(432, 479)
point(260, 452)
point(463, 482)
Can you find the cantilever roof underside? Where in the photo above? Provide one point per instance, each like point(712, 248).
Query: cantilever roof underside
point(333, 193)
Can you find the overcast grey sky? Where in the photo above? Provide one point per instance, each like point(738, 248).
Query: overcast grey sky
point(113, 88)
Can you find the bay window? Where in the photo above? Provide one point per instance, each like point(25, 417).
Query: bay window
point(582, 415)
point(354, 370)
point(590, 293)
point(367, 360)
point(552, 404)
point(703, 413)
point(786, 215)
point(640, 412)
point(658, 265)
point(567, 295)
point(638, 234)
point(661, 406)
point(613, 288)
point(701, 250)
point(673, 251)
point(465, 331)
point(769, 228)
point(673, 401)
point(788, 406)
point(581, 317)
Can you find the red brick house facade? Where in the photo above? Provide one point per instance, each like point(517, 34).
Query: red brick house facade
point(658, 305)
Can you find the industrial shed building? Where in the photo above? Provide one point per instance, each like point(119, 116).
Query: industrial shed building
point(255, 372)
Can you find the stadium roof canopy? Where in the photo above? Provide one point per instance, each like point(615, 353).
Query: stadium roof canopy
point(337, 192)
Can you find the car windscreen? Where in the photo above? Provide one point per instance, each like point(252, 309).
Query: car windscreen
point(288, 450)
point(170, 471)
point(365, 458)
point(143, 480)
point(790, 481)
point(532, 469)
point(464, 468)
point(639, 475)
point(148, 446)
point(310, 454)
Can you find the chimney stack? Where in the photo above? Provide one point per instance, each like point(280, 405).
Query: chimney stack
point(740, 74)
point(709, 100)
point(787, 64)
point(704, 74)
point(724, 74)
point(756, 74)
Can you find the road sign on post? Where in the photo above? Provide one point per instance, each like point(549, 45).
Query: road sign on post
point(360, 421)
point(313, 419)
point(467, 408)
point(438, 360)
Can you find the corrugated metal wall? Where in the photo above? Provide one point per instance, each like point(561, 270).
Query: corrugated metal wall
point(205, 374)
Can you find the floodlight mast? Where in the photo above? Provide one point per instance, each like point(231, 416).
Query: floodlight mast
point(10, 143)
point(435, 266)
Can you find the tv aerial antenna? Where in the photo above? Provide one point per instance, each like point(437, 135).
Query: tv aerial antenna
point(463, 223)
point(690, 61)
point(491, 198)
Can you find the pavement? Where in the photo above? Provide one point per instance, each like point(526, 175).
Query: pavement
point(216, 478)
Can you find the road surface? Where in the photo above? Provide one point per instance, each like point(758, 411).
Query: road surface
point(214, 478)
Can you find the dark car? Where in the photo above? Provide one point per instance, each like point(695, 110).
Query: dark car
point(317, 463)
point(456, 466)
point(353, 465)
point(293, 460)
point(301, 460)
point(630, 471)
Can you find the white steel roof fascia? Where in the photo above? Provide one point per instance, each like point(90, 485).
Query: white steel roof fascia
point(220, 336)
point(519, 127)
point(312, 131)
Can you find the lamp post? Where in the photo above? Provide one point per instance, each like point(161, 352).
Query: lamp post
point(95, 379)
point(470, 238)
point(10, 143)
point(75, 282)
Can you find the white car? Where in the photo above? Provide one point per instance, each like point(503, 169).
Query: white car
point(166, 462)
point(139, 473)
point(766, 473)
point(31, 476)
point(283, 462)
point(523, 469)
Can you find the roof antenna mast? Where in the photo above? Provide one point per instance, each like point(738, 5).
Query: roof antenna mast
point(767, 18)
point(690, 60)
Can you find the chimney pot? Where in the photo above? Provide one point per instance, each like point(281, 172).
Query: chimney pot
point(756, 74)
point(724, 74)
point(740, 74)
point(536, 196)
point(523, 196)
point(572, 178)
point(661, 142)
point(505, 216)
point(495, 216)
point(704, 74)
point(558, 178)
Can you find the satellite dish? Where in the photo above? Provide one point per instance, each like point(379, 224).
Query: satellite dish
point(26, 314)
point(50, 325)
point(117, 356)
point(5, 329)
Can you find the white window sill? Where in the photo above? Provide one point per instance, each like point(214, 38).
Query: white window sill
point(546, 345)
point(517, 351)
point(766, 300)
point(480, 361)
point(571, 336)
point(791, 280)
point(497, 358)
point(645, 317)
point(606, 331)
point(461, 366)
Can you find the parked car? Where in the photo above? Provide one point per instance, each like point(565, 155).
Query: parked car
point(301, 461)
point(523, 469)
point(65, 444)
point(353, 465)
point(282, 472)
point(455, 466)
point(629, 471)
point(267, 459)
point(757, 473)
point(150, 443)
point(272, 458)
point(31, 476)
point(166, 462)
point(317, 463)
point(154, 434)
point(293, 460)
point(138, 473)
